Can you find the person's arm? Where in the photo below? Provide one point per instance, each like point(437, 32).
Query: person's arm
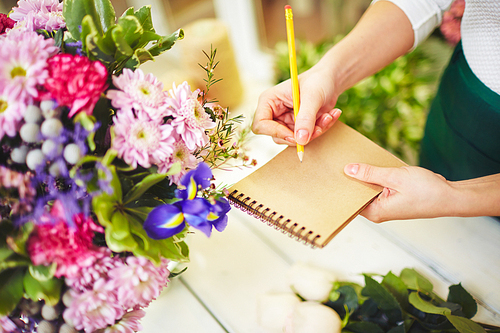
point(413, 192)
point(383, 34)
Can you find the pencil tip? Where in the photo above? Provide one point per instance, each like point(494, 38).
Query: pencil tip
point(301, 155)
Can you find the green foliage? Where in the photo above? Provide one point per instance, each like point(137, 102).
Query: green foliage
point(404, 303)
point(391, 106)
point(124, 211)
point(126, 42)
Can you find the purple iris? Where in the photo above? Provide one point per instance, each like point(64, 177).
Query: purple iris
point(167, 220)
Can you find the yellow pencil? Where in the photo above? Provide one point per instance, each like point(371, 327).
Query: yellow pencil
point(293, 70)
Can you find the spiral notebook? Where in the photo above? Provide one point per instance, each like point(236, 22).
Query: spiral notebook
point(313, 200)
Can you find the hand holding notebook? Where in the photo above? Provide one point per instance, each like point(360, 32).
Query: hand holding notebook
point(313, 200)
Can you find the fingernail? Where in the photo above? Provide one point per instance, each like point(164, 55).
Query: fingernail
point(302, 136)
point(290, 139)
point(352, 169)
point(337, 113)
point(326, 120)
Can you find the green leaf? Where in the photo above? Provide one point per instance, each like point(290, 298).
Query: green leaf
point(127, 244)
point(464, 325)
point(48, 290)
point(426, 306)
point(415, 281)
point(460, 296)
point(73, 12)
point(364, 327)
point(397, 288)
point(144, 17)
point(43, 273)
point(166, 43)
point(384, 299)
point(11, 290)
point(120, 226)
point(138, 190)
point(131, 29)
point(121, 44)
point(106, 13)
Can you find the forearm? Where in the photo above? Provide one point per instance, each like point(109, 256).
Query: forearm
point(477, 197)
point(383, 34)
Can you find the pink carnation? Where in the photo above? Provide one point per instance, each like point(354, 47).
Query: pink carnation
point(94, 308)
point(139, 281)
point(5, 23)
point(39, 14)
point(190, 119)
point(139, 92)
point(76, 82)
point(71, 248)
point(452, 19)
point(140, 139)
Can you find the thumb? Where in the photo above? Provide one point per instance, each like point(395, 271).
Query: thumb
point(370, 174)
point(306, 118)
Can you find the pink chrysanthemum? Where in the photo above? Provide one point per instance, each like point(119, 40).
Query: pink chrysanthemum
point(139, 281)
point(140, 139)
point(139, 92)
point(76, 82)
point(39, 14)
point(190, 119)
point(86, 277)
point(5, 23)
point(71, 248)
point(11, 112)
point(182, 155)
point(7, 325)
point(130, 323)
point(452, 19)
point(23, 62)
point(93, 309)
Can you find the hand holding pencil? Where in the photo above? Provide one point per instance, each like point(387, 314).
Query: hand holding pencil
point(275, 114)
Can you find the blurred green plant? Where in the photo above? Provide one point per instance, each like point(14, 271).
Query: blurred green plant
point(389, 107)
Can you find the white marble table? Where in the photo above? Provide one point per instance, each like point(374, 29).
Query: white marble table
point(227, 273)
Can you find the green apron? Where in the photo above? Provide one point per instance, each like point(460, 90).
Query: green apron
point(462, 134)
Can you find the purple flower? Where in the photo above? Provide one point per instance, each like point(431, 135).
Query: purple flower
point(169, 219)
point(181, 155)
point(164, 221)
point(39, 14)
point(193, 180)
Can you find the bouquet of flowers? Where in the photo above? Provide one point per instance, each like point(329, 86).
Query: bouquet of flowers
point(103, 173)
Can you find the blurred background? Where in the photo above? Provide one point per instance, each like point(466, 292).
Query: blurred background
point(250, 37)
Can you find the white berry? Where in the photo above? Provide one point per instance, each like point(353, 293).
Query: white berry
point(33, 114)
point(47, 105)
point(49, 312)
point(52, 128)
point(55, 170)
point(29, 132)
point(72, 153)
point(34, 159)
point(50, 148)
point(18, 155)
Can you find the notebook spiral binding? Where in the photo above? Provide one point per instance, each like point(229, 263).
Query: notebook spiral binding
point(271, 218)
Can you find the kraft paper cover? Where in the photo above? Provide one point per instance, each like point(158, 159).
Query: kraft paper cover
point(315, 196)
